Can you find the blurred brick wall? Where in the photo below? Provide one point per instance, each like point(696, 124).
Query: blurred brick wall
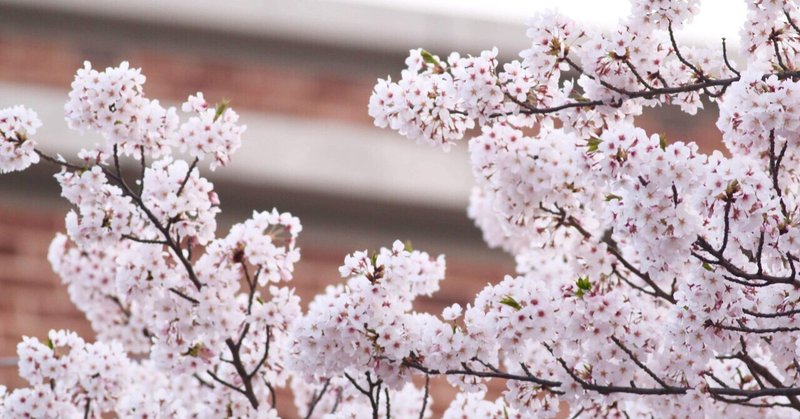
point(32, 299)
point(249, 84)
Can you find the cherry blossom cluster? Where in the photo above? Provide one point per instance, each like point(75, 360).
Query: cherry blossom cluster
point(207, 317)
point(179, 197)
point(212, 131)
point(369, 318)
point(112, 103)
point(654, 279)
point(191, 323)
point(17, 149)
point(102, 212)
point(72, 378)
point(90, 274)
point(65, 374)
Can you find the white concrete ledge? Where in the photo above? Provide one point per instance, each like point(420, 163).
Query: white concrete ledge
point(328, 22)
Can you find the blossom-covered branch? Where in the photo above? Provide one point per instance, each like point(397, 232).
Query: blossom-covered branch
point(652, 279)
point(646, 267)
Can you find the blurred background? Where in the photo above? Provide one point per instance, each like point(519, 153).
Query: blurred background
point(300, 73)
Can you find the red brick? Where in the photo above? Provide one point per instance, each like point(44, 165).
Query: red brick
point(173, 76)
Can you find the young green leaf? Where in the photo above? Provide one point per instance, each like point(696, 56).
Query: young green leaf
point(511, 302)
point(221, 108)
point(429, 58)
point(592, 144)
point(584, 285)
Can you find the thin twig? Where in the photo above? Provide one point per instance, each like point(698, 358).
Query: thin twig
point(224, 383)
point(639, 363)
point(425, 396)
point(388, 403)
point(316, 398)
point(184, 296)
point(773, 37)
point(699, 74)
point(145, 241)
point(188, 175)
point(725, 58)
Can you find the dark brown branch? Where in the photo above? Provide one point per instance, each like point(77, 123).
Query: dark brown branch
point(578, 413)
point(725, 58)
point(744, 329)
point(727, 228)
point(602, 82)
point(388, 403)
point(119, 304)
point(484, 374)
point(146, 241)
point(760, 253)
point(273, 399)
point(337, 401)
point(376, 388)
point(177, 250)
point(657, 291)
point(638, 76)
point(720, 260)
point(264, 357)
point(573, 222)
point(184, 296)
point(699, 74)
point(773, 37)
point(355, 384)
point(704, 84)
point(674, 195)
point(143, 163)
point(791, 21)
point(609, 389)
point(188, 175)
point(248, 391)
point(775, 161)
point(716, 379)
point(639, 363)
point(630, 283)
point(117, 166)
point(373, 393)
point(171, 243)
point(787, 313)
point(251, 287)
point(758, 369)
point(316, 397)
point(225, 383)
point(202, 382)
point(59, 162)
point(425, 396)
